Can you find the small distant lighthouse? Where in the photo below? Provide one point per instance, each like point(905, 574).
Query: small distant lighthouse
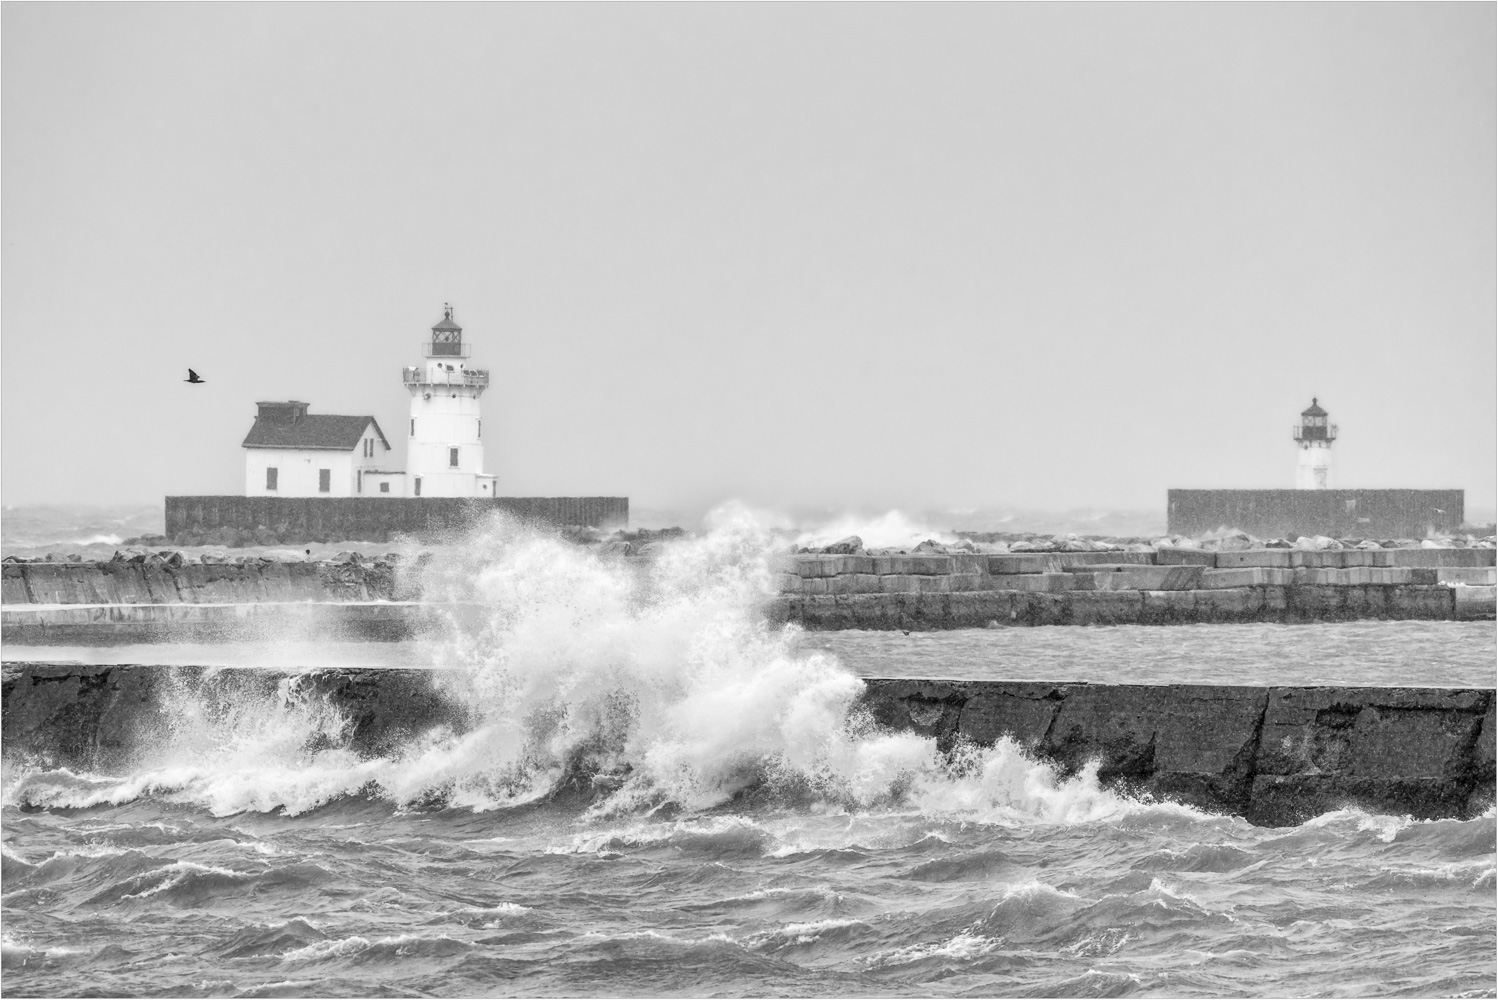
point(1315, 437)
point(445, 454)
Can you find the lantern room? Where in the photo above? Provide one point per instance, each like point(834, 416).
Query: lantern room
point(1313, 426)
point(447, 337)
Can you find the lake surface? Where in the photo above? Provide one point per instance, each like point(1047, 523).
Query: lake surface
point(668, 800)
point(1365, 653)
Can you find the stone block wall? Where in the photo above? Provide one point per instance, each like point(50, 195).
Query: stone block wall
point(959, 590)
point(1162, 587)
point(1164, 569)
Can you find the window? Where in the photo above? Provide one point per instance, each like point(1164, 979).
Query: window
point(481, 428)
point(417, 490)
point(384, 487)
point(413, 426)
point(270, 478)
point(324, 480)
point(452, 458)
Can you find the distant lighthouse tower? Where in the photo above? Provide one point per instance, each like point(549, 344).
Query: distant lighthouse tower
point(1315, 437)
point(445, 454)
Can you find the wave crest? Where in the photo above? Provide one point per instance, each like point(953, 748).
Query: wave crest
point(624, 687)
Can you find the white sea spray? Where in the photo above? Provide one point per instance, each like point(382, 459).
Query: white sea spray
point(640, 685)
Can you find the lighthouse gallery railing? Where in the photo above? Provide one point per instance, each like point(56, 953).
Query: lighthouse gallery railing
point(1311, 432)
point(422, 376)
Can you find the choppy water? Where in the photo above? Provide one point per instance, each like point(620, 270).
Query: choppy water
point(664, 798)
point(1090, 897)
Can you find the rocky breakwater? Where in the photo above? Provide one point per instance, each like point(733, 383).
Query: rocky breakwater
point(154, 596)
point(1275, 756)
point(961, 586)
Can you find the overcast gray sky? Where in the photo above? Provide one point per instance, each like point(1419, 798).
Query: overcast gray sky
point(920, 256)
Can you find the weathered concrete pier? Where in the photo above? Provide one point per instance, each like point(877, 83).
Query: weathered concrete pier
point(1159, 587)
point(1276, 756)
point(153, 598)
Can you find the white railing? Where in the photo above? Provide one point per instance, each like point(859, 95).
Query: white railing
point(459, 376)
point(1309, 432)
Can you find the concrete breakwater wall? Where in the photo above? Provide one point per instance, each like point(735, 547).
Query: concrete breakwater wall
point(174, 580)
point(101, 718)
point(1276, 756)
point(238, 520)
point(1338, 513)
point(123, 599)
point(1165, 586)
point(114, 624)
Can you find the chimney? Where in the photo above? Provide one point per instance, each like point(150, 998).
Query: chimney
point(286, 413)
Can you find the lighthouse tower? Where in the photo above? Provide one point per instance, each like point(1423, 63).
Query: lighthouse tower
point(445, 453)
point(1315, 437)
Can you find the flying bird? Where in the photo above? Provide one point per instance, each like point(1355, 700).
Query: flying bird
point(192, 377)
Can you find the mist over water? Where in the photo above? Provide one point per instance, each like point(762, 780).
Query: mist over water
point(655, 792)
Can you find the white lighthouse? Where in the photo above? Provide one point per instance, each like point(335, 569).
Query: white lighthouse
point(1314, 435)
point(445, 454)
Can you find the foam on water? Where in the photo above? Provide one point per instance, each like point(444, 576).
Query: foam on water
point(667, 689)
point(893, 529)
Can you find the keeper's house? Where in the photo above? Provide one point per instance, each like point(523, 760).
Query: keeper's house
point(292, 453)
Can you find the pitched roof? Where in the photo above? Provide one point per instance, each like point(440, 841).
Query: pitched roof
point(320, 430)
point(1313, 410)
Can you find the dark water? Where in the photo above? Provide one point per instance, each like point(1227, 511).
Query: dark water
point(662, 797)
point(1083, 896)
